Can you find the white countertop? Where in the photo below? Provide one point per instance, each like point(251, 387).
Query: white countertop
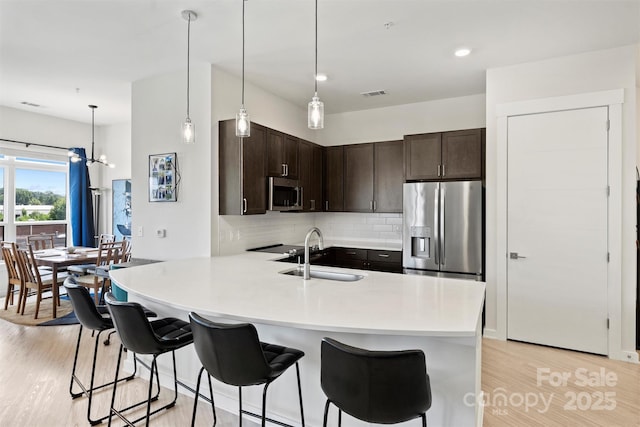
point(247, 287)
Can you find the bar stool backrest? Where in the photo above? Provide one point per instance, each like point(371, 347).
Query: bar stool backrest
point(84, 307)
point(230, 353)
point(132, 326)
point(384, 387)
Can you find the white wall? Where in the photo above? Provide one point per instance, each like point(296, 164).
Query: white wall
point(392, 123)
point(114, 141)
point(589, 72)
point(36, 127)
point(158, 111)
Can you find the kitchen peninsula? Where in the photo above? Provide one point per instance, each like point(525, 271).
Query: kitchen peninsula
point(383, 311)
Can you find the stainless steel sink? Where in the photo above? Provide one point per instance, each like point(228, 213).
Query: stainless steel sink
point(328, 275)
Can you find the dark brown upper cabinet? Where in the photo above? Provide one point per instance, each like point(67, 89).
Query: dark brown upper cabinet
point(282, 154)
point(388, 176)
point(444, 155)
point(462, 154)
point(310, 175)
point(334, 179)
point(243, 189)
point(358, 178)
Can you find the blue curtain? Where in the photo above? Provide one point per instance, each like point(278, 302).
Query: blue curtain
point(81, 204)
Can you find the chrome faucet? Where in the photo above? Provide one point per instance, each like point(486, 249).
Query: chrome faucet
point(307, 265)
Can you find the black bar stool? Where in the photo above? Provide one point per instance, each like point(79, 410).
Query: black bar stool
point(382, 387)
point(93, 318)
point(143, 337)
point(234, 355)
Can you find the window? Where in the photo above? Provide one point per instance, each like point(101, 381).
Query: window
point(33, 198)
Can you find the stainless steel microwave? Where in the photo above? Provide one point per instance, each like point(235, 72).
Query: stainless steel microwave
point(284, 194)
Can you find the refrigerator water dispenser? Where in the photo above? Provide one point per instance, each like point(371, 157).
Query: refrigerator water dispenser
point(421, 242)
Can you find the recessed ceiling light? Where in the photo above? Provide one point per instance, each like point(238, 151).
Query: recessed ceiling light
point(321, 77)
point(463, 51)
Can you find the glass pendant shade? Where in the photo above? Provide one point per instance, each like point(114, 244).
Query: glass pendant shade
point(243, 123)
point(315, 113)
point(188, 132)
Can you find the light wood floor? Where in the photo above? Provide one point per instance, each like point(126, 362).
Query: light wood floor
point(35, 363)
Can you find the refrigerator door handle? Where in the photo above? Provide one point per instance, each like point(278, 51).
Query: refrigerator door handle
point(442, 236)
point(436, 231)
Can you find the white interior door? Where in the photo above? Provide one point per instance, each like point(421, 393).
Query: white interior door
point(557, 226)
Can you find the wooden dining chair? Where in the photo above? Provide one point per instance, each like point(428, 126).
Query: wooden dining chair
point(33, 278)
point(108, 253)
point(41, 241)
point(14, 279)
point(82, 269)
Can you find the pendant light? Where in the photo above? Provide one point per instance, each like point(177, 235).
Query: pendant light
point(75, 158)
point(315, 111)
point(188, 128)
point(243, 123)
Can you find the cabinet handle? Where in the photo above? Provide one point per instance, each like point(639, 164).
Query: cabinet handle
point(326, 205)
point(312, 205)
point(374, 205)
point(438, 170)
point(284, 170)
point(383, 255)
point(350, 253)
point(443, 170)
point(371, 205)
point(244, 205)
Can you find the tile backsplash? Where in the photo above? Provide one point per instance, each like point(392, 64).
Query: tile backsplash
point(239, 233)
point(381, 227)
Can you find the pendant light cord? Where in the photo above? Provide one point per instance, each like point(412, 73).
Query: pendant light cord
point(243, 1)
point(188, 48)
point(315, 76)
point(93, 141)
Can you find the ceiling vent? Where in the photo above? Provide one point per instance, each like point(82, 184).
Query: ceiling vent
point(373, 93)
point(30, 104)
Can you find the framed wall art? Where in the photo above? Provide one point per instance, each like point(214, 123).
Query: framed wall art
point(121, 204)
point(163, 178)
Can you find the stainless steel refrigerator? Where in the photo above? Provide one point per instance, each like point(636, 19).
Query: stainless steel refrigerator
point(442, 229)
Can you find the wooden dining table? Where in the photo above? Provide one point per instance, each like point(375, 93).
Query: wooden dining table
point(59, 258)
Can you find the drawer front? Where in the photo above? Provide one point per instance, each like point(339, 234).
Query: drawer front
point(384, 256)
point(350, 254)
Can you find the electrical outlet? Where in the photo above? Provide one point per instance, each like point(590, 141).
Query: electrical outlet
point(161, 232)
point(140, 231)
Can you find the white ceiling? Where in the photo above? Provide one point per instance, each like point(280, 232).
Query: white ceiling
point(65, 54)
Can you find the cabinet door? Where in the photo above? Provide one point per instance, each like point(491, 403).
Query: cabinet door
point(462, 154)
point(389, 176)
point(290, 156)
point(422, 156)
point(333, 179)
point(358, 178)
point(350, 258)
point(315, 195)
point(275, 147)
point(305, 162)
point(254, 183)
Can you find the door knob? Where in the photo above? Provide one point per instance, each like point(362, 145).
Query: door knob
point(514, 255)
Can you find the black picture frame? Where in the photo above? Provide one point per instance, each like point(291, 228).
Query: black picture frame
point(163, 177)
